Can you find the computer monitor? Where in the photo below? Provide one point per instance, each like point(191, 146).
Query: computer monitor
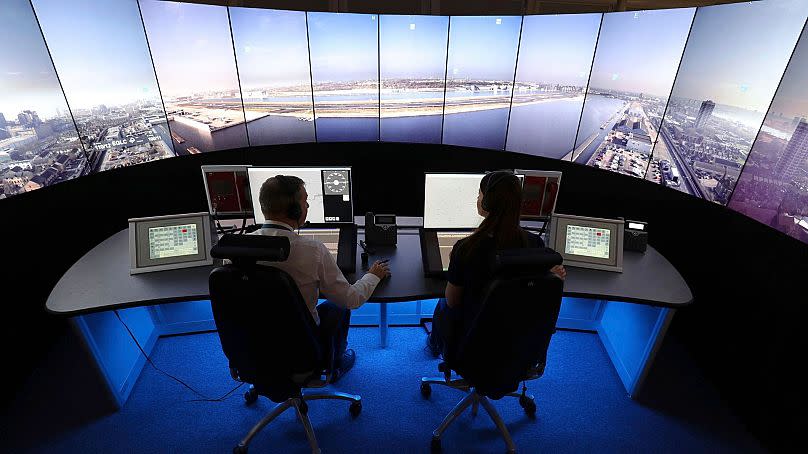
point(228, 191)
point(163, 243)
point(588, 242)
point(539, 193)
point(450, 200)
point(329, 190)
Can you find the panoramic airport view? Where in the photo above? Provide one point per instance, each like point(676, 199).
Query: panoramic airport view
point(731, 67)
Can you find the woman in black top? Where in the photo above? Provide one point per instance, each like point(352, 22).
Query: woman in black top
point(470, 266)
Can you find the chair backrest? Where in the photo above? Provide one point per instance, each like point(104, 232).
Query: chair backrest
point(265, 327)
point(512, 331)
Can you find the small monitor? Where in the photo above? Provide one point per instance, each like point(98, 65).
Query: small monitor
point(539, 193)
point(169, 242)
point(329, 190)
point(228, 191)
point(588, 242)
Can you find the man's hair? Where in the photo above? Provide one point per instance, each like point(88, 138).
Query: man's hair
point(278, 193)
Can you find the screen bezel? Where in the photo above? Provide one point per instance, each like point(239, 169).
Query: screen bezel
point(558, 228)
point(139, 243)
point(309, 224)
point(226, 168)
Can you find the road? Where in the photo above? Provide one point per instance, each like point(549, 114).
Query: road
point(690, 180)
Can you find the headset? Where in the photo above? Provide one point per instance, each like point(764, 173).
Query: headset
point(493, 179)
point(290, 190)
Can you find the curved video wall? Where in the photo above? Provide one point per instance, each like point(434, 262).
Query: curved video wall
point(708, 101)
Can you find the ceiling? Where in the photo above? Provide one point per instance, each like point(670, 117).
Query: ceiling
point(465, 7)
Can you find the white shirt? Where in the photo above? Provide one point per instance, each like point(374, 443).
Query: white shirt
point(314, 270)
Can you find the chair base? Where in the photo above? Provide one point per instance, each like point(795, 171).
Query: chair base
point(474, 400)
point(302, 410)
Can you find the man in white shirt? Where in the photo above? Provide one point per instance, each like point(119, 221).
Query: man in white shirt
point(284, 203)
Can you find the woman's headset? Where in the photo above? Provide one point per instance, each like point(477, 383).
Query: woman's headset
point(494, 178)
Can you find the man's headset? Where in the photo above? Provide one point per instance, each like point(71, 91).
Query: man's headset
point(494, 178)
point(290, 190)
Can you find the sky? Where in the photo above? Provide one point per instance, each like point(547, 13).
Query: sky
point(191, 47)
point(271, 47)
point(557, 48)
point(27, 78)
point(736, 53)
point(99, 49)
point(480, 48)
point(413, 46)
point(343, 47)
point(792, 97)
point(639, 51)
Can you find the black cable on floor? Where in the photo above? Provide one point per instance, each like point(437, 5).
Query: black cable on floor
point(204, 398)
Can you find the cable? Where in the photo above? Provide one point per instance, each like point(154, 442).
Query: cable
point(204, 398)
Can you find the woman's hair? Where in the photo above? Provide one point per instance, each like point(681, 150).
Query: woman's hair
point(502, 199)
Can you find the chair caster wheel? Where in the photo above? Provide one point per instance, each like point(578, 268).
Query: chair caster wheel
point(426, 390)
point(355, 409)
point(240, 449)
point(250, 396)
point(529, 405)
point(434, 445)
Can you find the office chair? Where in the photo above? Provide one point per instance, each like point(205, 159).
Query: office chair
point(507, 342)
point(267, 331)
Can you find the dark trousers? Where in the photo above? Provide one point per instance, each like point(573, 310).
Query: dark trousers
point(334, 323)
point(444, 328)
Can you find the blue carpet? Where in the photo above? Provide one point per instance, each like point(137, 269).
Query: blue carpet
point(582, 407)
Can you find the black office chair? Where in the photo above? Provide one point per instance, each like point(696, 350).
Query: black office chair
point(267, 331)
point(507, 342)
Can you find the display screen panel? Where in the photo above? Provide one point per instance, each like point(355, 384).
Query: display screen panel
point(108, 78)
point(328, 188)
point(733, 62)
point(228, 191)
point(539, 194)
point(172, 241)
point(273, 66)
point(450, 200)
point(587, 241)
point(555, 56)
point(412, 52)
point(479, 77)
point(773, 187)
point(193, 55)
point(345, 71)
point(634, 68)
point(39, 144)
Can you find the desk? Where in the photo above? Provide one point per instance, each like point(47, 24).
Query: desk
point(100, 281)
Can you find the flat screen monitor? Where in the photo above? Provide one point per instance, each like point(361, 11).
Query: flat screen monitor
point(539, 193)
point(228, 190)
point(329, 190)
point(588, 242)
point(450, 200)
point(169, 242)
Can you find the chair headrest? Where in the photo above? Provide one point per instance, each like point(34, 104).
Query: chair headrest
point(252, 248)
point(527, 259)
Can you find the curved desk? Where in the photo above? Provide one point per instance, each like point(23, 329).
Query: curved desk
point(641, 300)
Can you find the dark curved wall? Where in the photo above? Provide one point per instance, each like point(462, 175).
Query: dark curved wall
point(744, 328)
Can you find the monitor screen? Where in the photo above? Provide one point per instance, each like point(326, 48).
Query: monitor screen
point(450, 200)
point(329, 190)
point(345, 75)
point(588, 242)
point(733, 62)
point(539, 193)
point(192, 51)
point(228, 190)
point(628, 91)
point(169, 242)
point(446, 242)
point(172, 241)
